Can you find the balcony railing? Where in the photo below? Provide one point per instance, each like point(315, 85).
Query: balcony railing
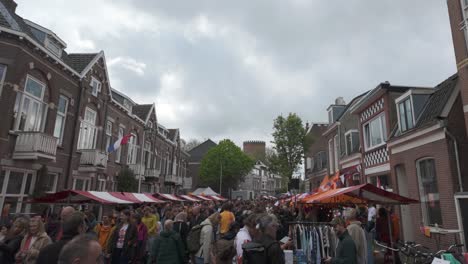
point(93, 157)
point(170, 178)
point(187, 183)
point(179, 180)
point(35, 145)
point(152, 173)
point(137, 169)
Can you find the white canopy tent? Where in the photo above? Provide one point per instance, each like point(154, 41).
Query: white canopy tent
point(205, 191)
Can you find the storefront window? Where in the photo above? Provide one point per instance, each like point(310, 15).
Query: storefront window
point(15, 182)
point(429, 192)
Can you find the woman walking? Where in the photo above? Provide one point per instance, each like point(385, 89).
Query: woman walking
point(33, 242)
point(123, 241)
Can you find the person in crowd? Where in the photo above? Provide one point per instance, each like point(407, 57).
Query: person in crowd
point(181, 227)
point(207, 236)
point(66, 212)
point(346, 249)
point(358, 235)
point(123, 240)
point(91, 221)
point(82, 249)
point(73, 226)
point(140, 251)
point(196, 217)
point(233, 229)
point(245, 235)
point(151, 222)
point(53, 226)
point(267, 227)
point(33, 242)
point(168, 247)
point(227, 218)
point(381, 226)
point(371, 215)
point(103, 231)
point(3, 232)
point(223, 252)
point(11, 245)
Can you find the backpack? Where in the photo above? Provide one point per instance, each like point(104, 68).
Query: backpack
point(193, 239)
point(255, 253)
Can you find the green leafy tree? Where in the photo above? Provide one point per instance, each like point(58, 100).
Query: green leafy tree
point(290, 144)
point(228, 160)
point(126, 181)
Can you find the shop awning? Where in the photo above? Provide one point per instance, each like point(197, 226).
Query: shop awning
point(75, 197)
point(169, 197)
point(189, 198)
point(201, 197)
point(365, 193)
point(217, 197)
point(137, 197)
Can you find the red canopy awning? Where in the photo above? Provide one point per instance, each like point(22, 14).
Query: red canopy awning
point(189, 198)
point(75, 196)
point(169, 197)
point(217, 197)
point(365, 193)
point(137, 197)
point(201, 197)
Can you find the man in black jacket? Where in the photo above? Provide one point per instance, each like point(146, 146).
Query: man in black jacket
point(73, 226)
point(346, 249)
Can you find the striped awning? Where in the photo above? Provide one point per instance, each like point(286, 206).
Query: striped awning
point(189, 198)
point(201, 197)
point(170, 197)
point(137, 197)
point(75, 196)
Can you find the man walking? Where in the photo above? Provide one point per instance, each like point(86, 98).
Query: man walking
point(358, 235)
point(346, 249)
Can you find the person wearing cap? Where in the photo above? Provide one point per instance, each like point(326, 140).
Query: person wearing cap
point(346, 249)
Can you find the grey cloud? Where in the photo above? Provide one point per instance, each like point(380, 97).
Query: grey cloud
point(309, 53)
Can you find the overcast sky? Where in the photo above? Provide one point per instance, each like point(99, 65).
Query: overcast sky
point(225, 69)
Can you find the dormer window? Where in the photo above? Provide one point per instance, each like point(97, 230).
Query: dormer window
point(96, 86)
point(127, 105)
point(352, 141)
point(53, 46)
point(405, 114)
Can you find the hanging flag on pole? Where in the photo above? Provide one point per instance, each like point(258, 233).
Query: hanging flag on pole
point(121, 141)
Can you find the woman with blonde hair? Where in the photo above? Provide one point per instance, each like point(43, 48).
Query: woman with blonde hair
point(33, 242)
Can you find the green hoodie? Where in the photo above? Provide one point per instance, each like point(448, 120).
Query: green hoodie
point(346, 250)
point(168, 248)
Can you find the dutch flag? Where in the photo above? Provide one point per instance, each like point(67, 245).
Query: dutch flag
point(121, 141)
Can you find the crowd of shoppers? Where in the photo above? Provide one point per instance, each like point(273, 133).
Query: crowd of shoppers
point(201, 233)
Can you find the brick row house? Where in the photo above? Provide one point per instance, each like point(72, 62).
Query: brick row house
point(407, 140)
point(316, 157)
point(60, 114)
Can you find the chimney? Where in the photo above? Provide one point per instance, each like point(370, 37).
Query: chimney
point(10, 5)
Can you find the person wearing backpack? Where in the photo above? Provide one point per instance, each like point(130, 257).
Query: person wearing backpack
point(264, 249)
point(204, 234)
point(168, 247)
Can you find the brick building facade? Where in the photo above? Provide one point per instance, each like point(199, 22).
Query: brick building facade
point(60, 116)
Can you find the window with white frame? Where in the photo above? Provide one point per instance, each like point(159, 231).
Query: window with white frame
point(405, 114)
point(101, 183)
point(330, 155)
point(132, 149)
point(119, 150)
point(464, 24)
point(3, 69)
point(15, 187)
point(81, 184)
point(352, 141)
point(53, 46)
point(375, 132)
point(50, 182)
point(30, 111)
point(88, 130)
point(61, 118)
point(95, 86)
point(108, 134)
point(429, 191)
point(127, 105)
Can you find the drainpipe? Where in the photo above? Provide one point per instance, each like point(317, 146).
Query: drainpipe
point(77, 122)
point(141, 159)
point(457, 159)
